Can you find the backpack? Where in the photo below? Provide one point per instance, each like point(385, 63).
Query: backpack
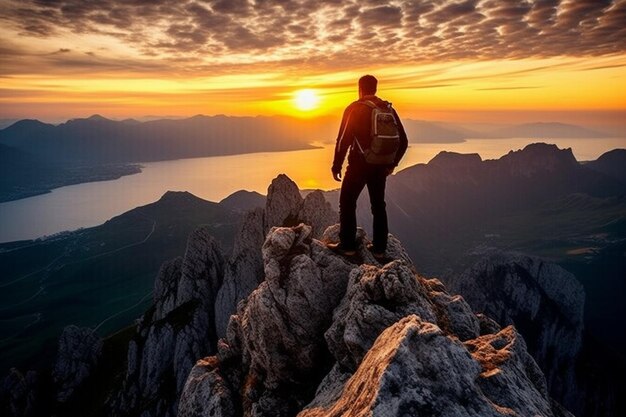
point(385, 136)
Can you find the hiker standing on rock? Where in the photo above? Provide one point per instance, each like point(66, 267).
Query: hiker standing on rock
point(372, 130)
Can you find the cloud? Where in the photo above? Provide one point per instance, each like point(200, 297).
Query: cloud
point(322, 34)
point(381, 16)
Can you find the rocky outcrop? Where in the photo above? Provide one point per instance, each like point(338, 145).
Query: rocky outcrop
point(283, 203)
point(78, 353)
point(414, 368)
point(243, 271)
point(287, 327)
point(325, 335)
point(317, 213)
point(195, 296)
point(21, 394)
point(542, 300)
point(48, 391)
point(283, 207)
point(174, 333)
point(538, 157)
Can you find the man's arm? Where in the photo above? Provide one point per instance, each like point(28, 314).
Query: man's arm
point(404, 142)
point(344, 140)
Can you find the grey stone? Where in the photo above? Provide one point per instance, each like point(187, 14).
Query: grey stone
point(78, 353)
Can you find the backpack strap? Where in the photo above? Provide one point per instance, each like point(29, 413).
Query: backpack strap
point(368, 103)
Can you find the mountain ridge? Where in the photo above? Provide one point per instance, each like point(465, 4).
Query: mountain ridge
point(273, 339)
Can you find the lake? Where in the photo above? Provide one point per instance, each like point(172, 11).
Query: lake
point(213, 178)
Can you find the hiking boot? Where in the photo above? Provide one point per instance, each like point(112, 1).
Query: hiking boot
point(378, 254)
point(339, 248)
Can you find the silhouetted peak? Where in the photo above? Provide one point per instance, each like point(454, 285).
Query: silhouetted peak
point(539, 157)
point(243, 200)
point(544, 151)
point(454, 159)
point(611, 163)
point(178, 196)
point(28, 124)
point(97, 117)
point(616, 155)
point(131, 121)
point(94, 118)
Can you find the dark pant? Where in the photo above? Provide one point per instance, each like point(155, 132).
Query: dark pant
point(355, 178)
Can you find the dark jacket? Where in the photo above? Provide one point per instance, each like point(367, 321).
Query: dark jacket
point(357, 123)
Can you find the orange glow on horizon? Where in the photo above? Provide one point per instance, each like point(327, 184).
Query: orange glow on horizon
point(556, 84)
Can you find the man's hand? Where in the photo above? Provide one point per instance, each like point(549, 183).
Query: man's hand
point(336, 174)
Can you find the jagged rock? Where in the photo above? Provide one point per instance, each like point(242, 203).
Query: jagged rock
point(243, 271)
point(206, 394)
point(287, 315)
point(377, 357)
point(455, 315)
point(364, 256)
point(376, 298)
point(166, 286)
point(317, 212)
point(283, 207)
point(413, 368)
point(545, 303)
point(77, 356)
point(201, 270)
point(487, 324)
point(506, 370)
point(283, 203)
point(20, 394)
point(175, 332)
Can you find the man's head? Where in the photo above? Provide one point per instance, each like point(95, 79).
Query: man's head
point(367, 85)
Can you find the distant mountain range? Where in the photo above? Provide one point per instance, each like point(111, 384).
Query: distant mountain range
point(36, 157)
point(23, 174)
point(97, 140)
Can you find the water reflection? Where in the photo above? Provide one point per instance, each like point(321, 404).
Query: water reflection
point(214, 178)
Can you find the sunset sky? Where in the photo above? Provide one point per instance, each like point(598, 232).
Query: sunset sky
point(474, 60)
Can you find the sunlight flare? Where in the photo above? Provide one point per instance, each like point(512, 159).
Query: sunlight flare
point(306, 100)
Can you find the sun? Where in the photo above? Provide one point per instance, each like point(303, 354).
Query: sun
point(306, 100)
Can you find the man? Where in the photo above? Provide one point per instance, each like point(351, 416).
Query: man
point(364, 166)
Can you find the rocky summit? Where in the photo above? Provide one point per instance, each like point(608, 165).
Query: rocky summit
point(325, 335)
point(285, 326)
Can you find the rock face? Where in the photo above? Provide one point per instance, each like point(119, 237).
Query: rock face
point(78, 353)
point(174, 333)
point(542, 300)
point(287, 327)
point(415, 369)
point(538, 157)
point(243, 271)
point(325, 335)
point(20, 395)
point(194, 297)
point(283, 207)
